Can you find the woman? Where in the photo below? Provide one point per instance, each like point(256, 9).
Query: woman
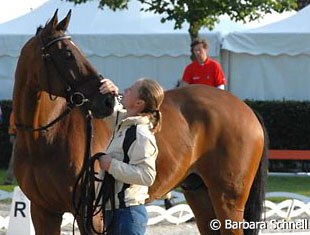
point(133, 169)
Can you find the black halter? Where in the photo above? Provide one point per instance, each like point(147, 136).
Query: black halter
point(74, 98)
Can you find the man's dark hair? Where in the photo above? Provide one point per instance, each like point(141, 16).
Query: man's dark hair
point(197, 41)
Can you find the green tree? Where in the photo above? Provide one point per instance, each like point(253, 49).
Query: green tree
point(303, 3)
point(203, 13)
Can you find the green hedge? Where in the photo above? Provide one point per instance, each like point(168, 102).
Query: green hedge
point(287, 123)
point(5, 145)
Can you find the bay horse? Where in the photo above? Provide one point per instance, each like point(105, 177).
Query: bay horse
point(211, 143)
point(55, 90)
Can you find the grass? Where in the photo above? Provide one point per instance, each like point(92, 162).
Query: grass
point(8, 188)
point(299, 184)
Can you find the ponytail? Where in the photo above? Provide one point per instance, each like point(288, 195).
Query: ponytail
point(155, 118)
point(153, 95)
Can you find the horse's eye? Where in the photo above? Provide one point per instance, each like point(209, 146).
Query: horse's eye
point(66, 54)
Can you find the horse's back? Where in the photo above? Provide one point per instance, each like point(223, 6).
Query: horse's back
point(212, 107)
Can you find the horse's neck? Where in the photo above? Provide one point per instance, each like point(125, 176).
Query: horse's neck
point(41, 110)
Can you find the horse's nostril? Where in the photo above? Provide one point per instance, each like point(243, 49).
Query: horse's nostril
point(108, 103)
point(102, 105)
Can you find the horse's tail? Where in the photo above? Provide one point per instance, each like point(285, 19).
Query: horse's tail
point(255, 203)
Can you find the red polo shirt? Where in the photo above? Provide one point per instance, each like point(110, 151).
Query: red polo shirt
point(210, 73)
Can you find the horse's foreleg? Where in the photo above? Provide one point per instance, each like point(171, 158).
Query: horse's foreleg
point(45, 222)
point(200, 203)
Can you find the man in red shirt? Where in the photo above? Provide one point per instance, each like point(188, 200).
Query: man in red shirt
point(203, 70)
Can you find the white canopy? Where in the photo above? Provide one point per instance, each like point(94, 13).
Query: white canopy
point(289, 36)
point(89, 19)
point(271, 62)
point(101, 32)
point(12, 9)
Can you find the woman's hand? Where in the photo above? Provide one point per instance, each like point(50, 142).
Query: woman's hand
point(105, 162)
point(107, 86)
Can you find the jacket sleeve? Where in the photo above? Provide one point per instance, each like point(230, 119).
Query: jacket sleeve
point(141, 167)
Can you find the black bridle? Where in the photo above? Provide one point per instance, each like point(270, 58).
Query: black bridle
point(74, 98)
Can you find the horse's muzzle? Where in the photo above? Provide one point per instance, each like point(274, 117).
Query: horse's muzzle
point(102, 105)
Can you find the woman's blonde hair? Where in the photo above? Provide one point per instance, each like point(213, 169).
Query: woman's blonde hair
point(153, 95)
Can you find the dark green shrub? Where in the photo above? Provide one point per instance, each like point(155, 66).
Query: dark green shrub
point(287, 123)
point(5, 145)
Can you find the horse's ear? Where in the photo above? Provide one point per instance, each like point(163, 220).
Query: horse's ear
point(63, 25)
point(52, 24)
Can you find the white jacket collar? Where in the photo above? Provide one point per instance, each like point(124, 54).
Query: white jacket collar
point(135, 120)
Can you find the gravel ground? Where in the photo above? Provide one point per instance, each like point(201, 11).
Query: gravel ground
point(163, 228)
point(169, 229)
point(152, 230)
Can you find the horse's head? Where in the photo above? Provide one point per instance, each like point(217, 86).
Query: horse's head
point(62, 70)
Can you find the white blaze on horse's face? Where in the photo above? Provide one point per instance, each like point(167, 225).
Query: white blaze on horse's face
point(74, 45)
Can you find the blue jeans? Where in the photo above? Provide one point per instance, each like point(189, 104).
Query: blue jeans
point(127, 221)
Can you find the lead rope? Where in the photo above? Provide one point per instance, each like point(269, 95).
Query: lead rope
point(88, 204)
point(86, 186)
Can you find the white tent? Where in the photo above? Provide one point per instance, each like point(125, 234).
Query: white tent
point(122, 45)
point(271, 62)
point(15, 8)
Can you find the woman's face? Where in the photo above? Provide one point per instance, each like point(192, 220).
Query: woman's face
point(131, 96)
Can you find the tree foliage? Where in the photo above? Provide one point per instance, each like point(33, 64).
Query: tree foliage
point(303, 3)
point(203, 13)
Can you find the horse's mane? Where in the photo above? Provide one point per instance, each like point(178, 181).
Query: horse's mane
point(39, 29)
point(178, 84)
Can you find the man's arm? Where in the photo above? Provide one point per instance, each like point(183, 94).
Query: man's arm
point(182, 83)
point(221, 87)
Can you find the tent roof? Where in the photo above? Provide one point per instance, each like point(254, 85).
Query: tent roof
point(89, 19)
point(120, 33)
point(297, 23)
point(289, 36)
point(15, 8)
